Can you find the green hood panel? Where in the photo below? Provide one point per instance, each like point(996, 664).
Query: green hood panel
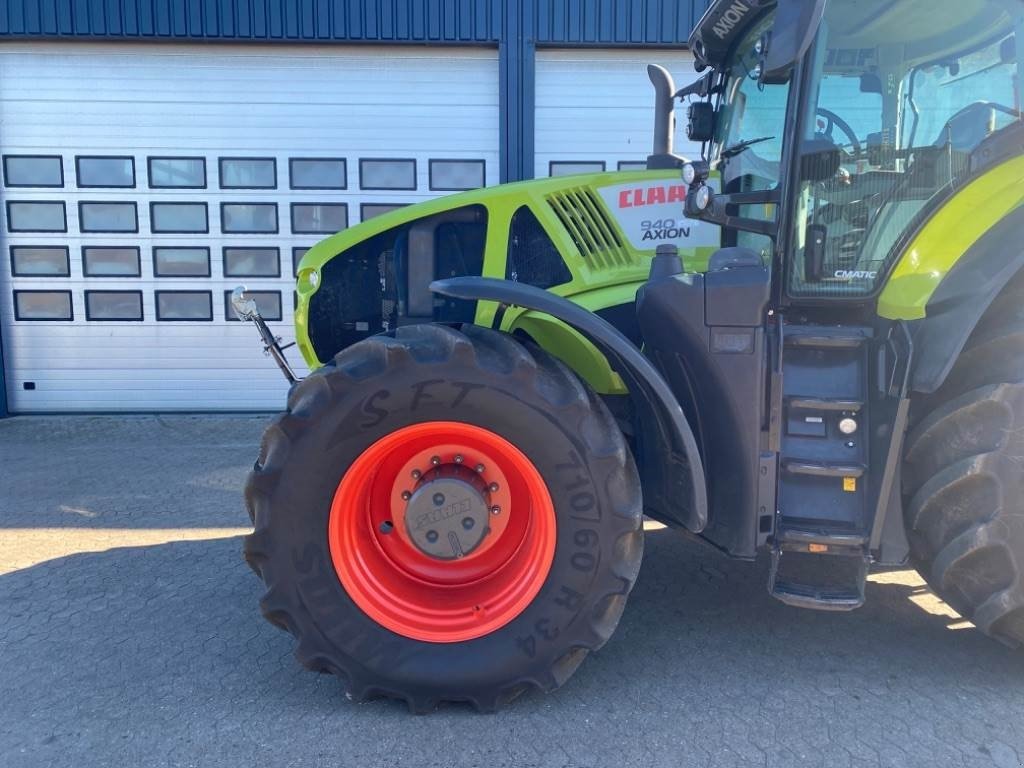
point(605, 227)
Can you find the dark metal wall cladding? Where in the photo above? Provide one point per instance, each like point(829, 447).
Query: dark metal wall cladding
point(581, 22)
point(442, 21)
point(616, 22)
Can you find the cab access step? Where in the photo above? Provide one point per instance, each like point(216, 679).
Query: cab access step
point(820, 554)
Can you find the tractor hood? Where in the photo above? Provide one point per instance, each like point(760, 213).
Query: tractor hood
point(574, 235)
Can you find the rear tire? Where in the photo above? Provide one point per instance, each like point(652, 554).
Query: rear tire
point(430, 374)
point(963, 477)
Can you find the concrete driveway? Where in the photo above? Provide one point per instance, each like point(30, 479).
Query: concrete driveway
point(130, 636)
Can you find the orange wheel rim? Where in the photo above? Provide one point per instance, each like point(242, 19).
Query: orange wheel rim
point(442, 531)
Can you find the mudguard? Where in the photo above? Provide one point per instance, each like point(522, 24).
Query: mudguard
point(962, 298)
point(669, 462)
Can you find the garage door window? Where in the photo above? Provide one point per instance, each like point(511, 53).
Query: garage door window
point(570, 168)
point(43, 305)
point(105, 171)
point(113, 305)
point(267, 302)
point(317, 173)
point(456, 175)
point(248, 173)
point(40, 261)
point(177, 172)
point(387, 174)
point(108, 217)
point(33, 171)
point(319, 218)
point(184, 306)
point(297, 254)
point(243, 218)
point(252, 262)
point(36, 217)
point(103, 261)
point(179, 218)
point(369, 211)
point(171, 261)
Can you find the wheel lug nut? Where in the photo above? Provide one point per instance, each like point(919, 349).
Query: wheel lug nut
point(435, 460)
point(495, 510)
point(480, 469)
point(386, 526)
point(458, 458)
point(493, 487)
point(431, 536)
point(416, 474)
point(468, 523)
point(406, 495)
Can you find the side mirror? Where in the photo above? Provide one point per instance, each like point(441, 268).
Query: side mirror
point(700, 121)
point(819, 160)
point(796, 24)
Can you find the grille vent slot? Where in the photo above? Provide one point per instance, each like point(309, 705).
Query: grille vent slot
point(583, 215)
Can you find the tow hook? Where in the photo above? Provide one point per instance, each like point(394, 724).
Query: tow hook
point(245, 307)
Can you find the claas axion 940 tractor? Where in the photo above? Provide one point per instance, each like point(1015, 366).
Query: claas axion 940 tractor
point(809, 342)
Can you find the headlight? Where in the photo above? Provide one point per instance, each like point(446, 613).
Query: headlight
point(689, 174)
point(702, 197)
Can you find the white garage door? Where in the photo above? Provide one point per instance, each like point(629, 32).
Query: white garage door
point(595, 109)
point(142, 183)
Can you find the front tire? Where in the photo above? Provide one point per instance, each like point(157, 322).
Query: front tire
point(964, 476)
point(411, 617)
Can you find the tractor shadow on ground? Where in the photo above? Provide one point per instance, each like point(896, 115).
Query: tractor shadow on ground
point(168, 639)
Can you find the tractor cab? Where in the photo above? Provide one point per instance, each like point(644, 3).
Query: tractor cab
point(839, 128)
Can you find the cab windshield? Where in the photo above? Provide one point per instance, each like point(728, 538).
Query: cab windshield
point(907, 90)
point(748, 140)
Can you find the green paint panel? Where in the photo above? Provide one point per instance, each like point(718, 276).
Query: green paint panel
point(604, 262)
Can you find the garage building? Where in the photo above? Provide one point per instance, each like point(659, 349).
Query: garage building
point(158, 153)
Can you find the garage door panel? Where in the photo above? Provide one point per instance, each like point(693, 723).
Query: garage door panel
point(597, 105)
point(211, 103)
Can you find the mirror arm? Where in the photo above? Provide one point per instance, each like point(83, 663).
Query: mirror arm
point(717, 211)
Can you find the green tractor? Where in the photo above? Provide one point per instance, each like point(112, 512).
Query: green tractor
point(807, 343)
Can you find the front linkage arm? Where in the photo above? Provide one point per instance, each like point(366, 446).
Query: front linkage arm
point(245, 308)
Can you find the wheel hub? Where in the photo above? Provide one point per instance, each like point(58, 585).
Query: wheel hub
point(447, 515)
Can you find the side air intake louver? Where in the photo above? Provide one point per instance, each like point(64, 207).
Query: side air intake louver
point(583, 215)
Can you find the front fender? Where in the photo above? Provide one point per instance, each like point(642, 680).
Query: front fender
point(668, 459)
point(572, 348)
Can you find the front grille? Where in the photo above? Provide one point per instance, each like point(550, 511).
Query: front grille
point(583, 215)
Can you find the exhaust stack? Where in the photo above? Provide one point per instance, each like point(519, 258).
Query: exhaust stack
point(664, 119)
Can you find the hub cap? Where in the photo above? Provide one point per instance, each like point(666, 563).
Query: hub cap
point(446, 516)
point(442, 531)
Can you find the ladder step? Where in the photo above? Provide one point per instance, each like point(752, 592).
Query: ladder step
point(817, 598)
point(825, 338)
point(824, 403)
point(788, 534)
point(822, 597)
point(821, 468)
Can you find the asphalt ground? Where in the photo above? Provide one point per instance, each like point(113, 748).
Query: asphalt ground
point(130, 636)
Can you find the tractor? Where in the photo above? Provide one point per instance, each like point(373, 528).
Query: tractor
point(806, 344)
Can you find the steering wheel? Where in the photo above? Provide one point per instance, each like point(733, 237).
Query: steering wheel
point(832, 121)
